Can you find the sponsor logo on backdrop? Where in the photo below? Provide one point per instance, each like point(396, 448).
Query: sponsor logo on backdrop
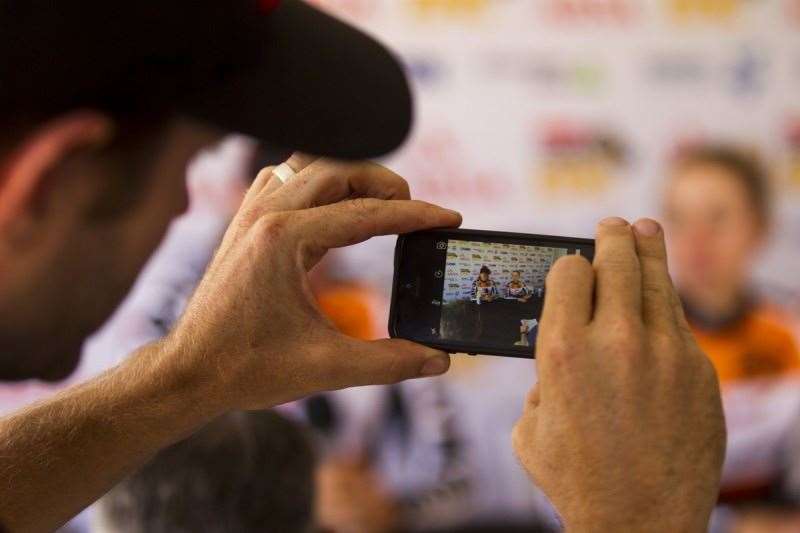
point(548, 73)
point(578, 159)
point(748, 72)
point(741, 74)
point(793, 146)
point(610, 12)
point(427, 8)
point(677, 68)
point(704, 11)
point(440, 169)
point(426, 69)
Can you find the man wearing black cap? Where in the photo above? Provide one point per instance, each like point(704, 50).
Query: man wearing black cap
point(101, 106)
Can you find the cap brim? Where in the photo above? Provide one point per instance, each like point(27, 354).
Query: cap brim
point(319, 86)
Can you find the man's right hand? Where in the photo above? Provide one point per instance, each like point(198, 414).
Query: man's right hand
point(252, 332)
point(624, 431)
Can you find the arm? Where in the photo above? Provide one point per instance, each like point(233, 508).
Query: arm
point(60, 455)
point(242, 343)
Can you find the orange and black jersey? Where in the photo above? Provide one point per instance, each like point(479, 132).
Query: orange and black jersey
point(754, 342)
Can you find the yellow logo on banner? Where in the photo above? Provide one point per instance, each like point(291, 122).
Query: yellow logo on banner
point(704, 10)
point(793, 159)
point(449, 7)
point(578, 159)
point(588, 174)
point(794, 171)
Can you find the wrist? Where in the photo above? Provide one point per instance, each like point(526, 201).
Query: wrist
point(179, 391)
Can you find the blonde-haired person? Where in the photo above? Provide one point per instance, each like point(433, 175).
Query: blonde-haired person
point(717, 217)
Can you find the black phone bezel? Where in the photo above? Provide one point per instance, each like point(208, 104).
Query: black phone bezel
point(476, 235)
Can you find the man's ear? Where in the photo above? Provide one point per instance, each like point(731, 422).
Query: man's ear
point(24, 174)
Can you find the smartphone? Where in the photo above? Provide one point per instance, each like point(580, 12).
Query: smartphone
point(473, 291)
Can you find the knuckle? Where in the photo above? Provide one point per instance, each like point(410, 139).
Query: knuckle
point(656, 291)
point(363, 207)
point(247, 218)
point(664, 342)
point(624, 263)
point(271, 225)
point(624, 336)
point(298, 161)
point(264, 175)
point(652, 251)
point(559, 349)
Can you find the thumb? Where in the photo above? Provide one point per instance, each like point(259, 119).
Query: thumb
point(388, 361)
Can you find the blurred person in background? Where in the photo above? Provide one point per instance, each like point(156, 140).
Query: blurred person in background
point(248, 472)
point(717, 217)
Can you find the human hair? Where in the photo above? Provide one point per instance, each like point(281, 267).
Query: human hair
point(485, 270)
point(245, 472)
point(742, 165)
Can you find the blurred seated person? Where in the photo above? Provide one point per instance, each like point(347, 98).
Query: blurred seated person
point(516, 288)
point(245, 472)
point(484, 288)
point(717, 213)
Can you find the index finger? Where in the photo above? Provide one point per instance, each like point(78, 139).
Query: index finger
point(355, 221)
point(325, 182)
point(568, 295)
point(567, 309)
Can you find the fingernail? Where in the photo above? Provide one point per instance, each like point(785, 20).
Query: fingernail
point(456, 213)
point(647, 227)
point(435, 365)
point(614, 221)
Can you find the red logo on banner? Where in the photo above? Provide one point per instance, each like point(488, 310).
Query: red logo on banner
point(578, 159)
point(593, 11)
point(268, 6)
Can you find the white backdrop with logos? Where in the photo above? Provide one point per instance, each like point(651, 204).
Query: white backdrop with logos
point(544, 116)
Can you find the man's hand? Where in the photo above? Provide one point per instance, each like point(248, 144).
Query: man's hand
point(253, 329)
point(624, 431)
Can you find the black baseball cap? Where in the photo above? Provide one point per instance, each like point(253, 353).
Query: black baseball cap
point(279, 70)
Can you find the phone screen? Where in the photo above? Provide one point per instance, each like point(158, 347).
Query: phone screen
point(475, 291)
